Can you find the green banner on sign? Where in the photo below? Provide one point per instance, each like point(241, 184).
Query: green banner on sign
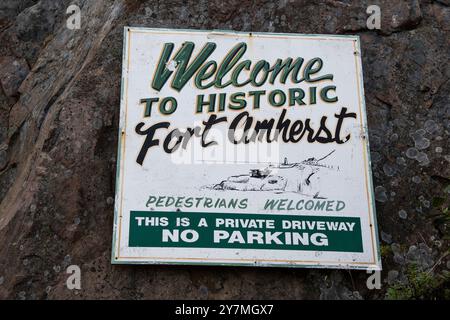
point(244, 231)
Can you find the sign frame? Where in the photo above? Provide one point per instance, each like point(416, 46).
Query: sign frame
point(116, 258)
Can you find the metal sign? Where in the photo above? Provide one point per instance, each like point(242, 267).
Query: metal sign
point(243, 149)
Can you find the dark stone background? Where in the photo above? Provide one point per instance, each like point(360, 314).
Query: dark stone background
point(59, 108)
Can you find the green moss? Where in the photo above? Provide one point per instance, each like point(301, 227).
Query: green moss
point(420, 285)
point(385, 250)
point(438, 202)
point(399, 292)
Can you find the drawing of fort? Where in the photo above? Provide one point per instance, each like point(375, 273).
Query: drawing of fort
point(300, 177)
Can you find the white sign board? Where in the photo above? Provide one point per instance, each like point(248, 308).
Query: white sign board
point(243, 149)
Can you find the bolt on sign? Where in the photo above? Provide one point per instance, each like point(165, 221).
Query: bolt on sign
point(243, 149)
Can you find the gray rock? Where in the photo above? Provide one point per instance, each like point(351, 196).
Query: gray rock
point(3, 159)
point(403, 214)
point(421, 256)
point(416, 179)
point(389, 170)
point(12, 72)
point(396, 248)
point(431, 126)
point(392, 276)
point(386, 237)
point(380, 194)
point(399, 259)
point(412, 153)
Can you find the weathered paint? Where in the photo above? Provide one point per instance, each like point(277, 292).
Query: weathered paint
point(209, 259)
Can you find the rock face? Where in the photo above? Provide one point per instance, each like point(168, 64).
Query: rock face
point(59, 109)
